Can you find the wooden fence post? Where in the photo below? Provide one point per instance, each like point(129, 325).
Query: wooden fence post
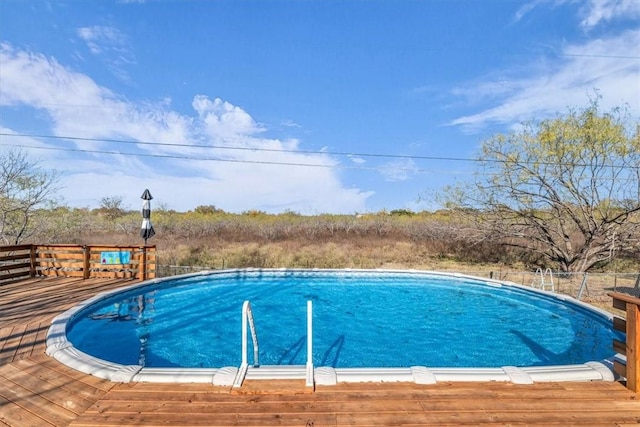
point(631, 348)
point(32, 261)
point(142, 264)
point(86, 262)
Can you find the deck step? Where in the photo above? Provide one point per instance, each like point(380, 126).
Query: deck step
point(266, 372)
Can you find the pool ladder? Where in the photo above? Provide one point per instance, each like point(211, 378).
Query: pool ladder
point(539, 280)
point(248, 324)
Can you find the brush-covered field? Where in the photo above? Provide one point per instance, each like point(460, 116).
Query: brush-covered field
point(208, 238)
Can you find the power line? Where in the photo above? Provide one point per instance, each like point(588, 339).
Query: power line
point(262, 162)
point(273, 150)
point(229, 147)
point(215, 159)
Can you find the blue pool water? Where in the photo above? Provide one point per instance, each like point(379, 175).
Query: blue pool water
point(359, 320)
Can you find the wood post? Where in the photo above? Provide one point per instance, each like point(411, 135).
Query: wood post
point(32, 260)
point(86, 262)
point(633, 347)
point(631, 326)
point(142, 264)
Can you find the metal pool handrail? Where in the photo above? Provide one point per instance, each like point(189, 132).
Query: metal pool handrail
point(309, 376)
point(247, 317)
point(248, 323)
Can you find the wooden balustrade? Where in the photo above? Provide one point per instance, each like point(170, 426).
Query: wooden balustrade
point(17, 262)
point(86, 261)
point(631, 347)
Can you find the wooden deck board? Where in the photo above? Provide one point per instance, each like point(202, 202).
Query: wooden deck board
point(393, 405)
point(36, 390)
point(44, 361)
point(12, 414)
point(33, 385)
point(35, 402)
point(57, 379)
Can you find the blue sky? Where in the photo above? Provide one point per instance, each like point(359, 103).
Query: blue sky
point(335, 106)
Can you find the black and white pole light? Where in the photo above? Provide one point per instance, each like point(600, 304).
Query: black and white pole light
point(146, 231)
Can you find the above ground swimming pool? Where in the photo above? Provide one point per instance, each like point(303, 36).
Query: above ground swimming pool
point(363, 321)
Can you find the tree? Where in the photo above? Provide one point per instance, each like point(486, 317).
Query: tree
point(207, 210)
point(24, 187)
point(567, 188)
point(112, 207)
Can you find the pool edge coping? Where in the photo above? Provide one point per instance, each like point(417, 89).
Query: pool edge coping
point(61, 349)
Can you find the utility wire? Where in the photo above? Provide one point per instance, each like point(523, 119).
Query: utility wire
point(272, 150)
point(217, 159)
point(230, 147)
point(379, 169)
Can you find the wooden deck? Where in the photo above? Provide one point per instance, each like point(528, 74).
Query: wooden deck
point(36, 390)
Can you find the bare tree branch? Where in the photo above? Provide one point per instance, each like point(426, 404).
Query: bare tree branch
point(24, 187)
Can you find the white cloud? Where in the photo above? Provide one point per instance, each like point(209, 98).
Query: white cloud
point(290, 124)
point(111, 45)
point(223, 120)
point(79, 107)
point(46, 82)
point(526, 8)
point(602, 11)
point(593, 12)
point(357, 160)
point(605, 65)
point(399, 170)
point(249, 173)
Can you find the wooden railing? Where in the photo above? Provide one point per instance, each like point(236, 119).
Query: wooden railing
point(631, 347)
point(85, 261)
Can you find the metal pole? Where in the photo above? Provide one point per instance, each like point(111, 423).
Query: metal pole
point(309, 382)
point(583, 286)
point(245, 305)
point(254, 336)
point(309, 333)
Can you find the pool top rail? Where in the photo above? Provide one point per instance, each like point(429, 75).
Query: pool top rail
point(61, 349)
